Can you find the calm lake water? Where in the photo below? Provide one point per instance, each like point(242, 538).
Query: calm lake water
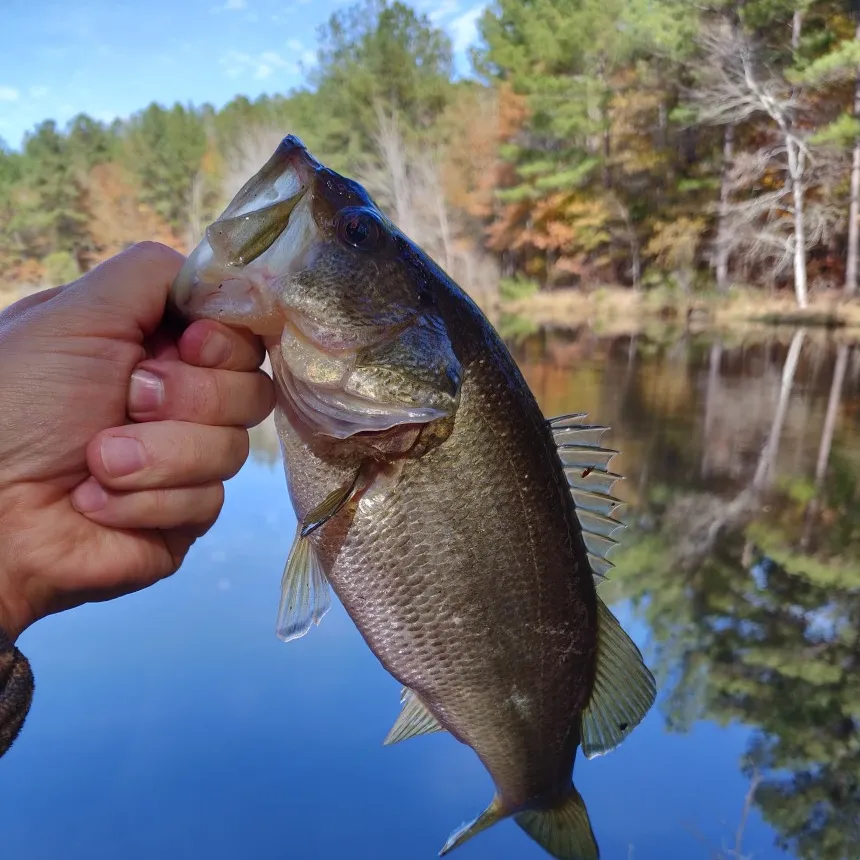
point(174, 724)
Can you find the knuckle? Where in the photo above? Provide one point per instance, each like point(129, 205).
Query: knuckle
point(241, 447)
point(263, 398)
point(153, 252)
point(198, 453)
point(214, 501)
point(159, 504)
point(207, 398)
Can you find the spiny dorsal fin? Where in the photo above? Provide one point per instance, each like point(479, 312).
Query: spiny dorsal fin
point(624, 688)
point(414, 719)
point(586, 467)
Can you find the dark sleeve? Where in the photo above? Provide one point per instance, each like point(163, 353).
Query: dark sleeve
point(16, 692)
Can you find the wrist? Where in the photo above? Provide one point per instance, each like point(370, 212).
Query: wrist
point(11, 623)
point(15, 614)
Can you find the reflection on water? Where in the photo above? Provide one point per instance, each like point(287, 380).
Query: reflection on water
point(174, 723)
point(743, 553)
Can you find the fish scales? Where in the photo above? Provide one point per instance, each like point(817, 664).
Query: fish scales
point(431, 494)
point(467, 584)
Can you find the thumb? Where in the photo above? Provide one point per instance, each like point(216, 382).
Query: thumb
point(133, 284)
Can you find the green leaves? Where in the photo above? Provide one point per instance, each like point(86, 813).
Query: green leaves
point(377, 55)
point(164, 149)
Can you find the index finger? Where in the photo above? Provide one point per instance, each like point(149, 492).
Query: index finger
point(208, 343)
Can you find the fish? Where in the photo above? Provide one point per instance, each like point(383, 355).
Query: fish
point(462, 531)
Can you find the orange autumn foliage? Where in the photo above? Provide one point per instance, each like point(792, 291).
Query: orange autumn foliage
point(117, 219)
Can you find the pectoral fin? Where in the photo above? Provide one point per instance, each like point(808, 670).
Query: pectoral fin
point(329, 506)
point(624, 688)
point(305, 592)
point(414, 719)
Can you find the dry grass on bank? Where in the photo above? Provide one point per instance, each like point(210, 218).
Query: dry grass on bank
point(616, 310)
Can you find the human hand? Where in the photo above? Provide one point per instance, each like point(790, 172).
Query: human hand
point(115, 437)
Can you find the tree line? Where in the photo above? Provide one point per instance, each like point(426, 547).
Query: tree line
point(641, 143)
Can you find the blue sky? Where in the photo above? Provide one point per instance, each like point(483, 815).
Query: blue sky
point(109, 58)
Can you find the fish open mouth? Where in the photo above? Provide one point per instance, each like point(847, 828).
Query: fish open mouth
point(331, 411)
point(244, 273)
point(215, 282)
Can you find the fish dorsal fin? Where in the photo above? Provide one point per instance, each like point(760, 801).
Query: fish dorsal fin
point(586, 467)
point(414, 719)
point(624, 688)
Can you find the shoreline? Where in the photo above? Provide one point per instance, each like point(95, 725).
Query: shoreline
point(618, 311)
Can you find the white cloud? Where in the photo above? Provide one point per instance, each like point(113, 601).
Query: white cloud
point(295, 45)
point(230, 6)
point(261, 66)
point(464, 28)
point(38, 92)
point(8, 94)
point(440, 11)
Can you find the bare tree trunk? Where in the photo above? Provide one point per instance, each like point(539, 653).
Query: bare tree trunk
point(433, 186)
point(710, 405)
point(854, 208)
point(796, 161)
point(826, 443)
point(767, 460)
point(722, 262)
point(832, 414)
point(800, 288)
point(392, 151)
point(796, 29)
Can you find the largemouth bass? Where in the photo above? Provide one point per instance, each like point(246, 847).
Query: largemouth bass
point(462, 531)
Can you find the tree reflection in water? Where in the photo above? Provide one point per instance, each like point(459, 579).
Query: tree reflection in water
point(743, 552)
point(742, 465)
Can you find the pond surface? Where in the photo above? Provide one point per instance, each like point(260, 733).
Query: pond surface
point(174, 724)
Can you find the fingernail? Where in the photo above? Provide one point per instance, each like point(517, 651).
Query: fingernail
point(122, 455)
point(146, 392)
point(215, 349)
point(89, 496)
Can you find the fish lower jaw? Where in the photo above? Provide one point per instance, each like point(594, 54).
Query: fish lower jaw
point(234, 300)
point(339, 416)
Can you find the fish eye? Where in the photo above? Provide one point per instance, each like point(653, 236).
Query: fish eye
point(360, 228)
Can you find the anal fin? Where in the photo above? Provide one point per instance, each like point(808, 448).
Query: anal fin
point(492, 814)
point(414, 719)
point(562, 830)
point(624, 688)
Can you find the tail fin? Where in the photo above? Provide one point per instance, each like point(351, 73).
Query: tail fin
point(563, 830)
